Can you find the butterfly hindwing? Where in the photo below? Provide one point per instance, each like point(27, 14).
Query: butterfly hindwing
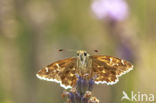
point(108, 68)
point(62, 71)
point(105, 69)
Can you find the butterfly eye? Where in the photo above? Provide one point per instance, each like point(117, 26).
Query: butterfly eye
point(85, 54)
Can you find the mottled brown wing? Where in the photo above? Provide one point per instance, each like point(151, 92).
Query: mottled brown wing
point(62, 71)
point(108, 68)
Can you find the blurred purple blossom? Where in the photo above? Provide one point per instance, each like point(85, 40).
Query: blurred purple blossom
point(81, 93)
point(125, 51)
point(111, 9)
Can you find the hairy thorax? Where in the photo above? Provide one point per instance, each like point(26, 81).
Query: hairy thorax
point(84, 62)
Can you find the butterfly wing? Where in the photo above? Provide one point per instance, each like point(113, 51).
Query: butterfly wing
point(107, 68)
point(62, 71)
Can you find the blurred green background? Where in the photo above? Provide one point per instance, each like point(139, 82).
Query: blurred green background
point(32, 31)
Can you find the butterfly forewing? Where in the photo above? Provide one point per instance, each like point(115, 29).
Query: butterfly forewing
point(62, 71)
point(104, 69)
point(107, 68)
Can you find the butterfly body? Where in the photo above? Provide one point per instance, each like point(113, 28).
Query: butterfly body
point(84, 63)
point(106, 69)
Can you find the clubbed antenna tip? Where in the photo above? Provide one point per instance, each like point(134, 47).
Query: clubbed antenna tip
point(60, 50)
point(96, 51)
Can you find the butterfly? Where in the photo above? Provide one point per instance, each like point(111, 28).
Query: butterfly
point(105, 69)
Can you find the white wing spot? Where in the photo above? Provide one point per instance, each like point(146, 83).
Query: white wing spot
point(46, 68)
point(98, 66)
point(111, 60)
point(57, 65)
point(113, 64)
point(122, 61)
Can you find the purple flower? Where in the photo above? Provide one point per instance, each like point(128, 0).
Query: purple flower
point(112, 9)
point(84, 85)
point(81, 93)
point(126, 52)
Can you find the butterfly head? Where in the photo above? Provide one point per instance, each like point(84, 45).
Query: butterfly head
point(81, 54)
point(82, 57)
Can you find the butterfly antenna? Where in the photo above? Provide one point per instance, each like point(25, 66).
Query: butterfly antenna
point(71, 50)
point(60, 50)
point(68, 50)
point(96, 51)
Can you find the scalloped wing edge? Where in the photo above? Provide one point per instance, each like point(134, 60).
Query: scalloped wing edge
point(112, 83)
point(54, 80)
point(99, 82)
